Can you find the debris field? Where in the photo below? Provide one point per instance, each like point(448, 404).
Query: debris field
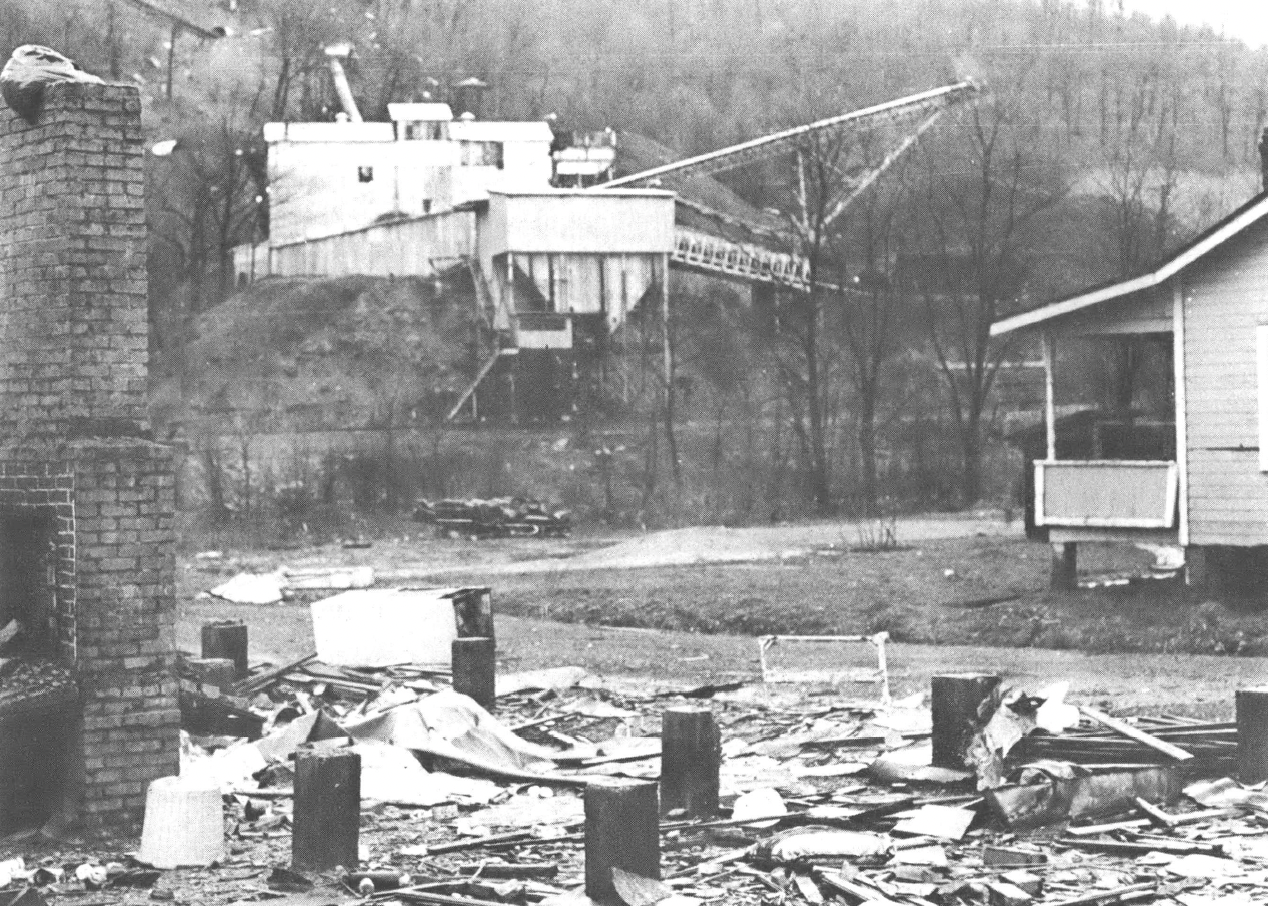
point(820, 797)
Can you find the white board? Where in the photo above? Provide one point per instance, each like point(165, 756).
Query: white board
point(378, 627)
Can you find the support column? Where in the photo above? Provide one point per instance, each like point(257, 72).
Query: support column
point(1252, 734)
point(1065, 566)
point(954, 701)
point(1050, 394)
point(1196, 568)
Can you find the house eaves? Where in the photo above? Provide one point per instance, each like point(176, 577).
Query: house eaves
point(1241, 219)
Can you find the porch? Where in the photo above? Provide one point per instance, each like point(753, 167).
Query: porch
point(1111, 468)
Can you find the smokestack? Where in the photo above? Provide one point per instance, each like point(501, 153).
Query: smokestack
point(334, 54)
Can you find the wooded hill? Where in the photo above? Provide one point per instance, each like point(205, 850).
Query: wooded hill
point(1103, 140)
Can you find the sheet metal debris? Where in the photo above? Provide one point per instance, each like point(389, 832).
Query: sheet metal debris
point(827, 802)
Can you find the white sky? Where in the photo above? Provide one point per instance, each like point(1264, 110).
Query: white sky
point(1246, 20)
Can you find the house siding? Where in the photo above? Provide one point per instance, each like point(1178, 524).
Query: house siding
point(1225, 298)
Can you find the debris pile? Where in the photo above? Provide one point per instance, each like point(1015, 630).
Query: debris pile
point(819, 800)
point(500, 517)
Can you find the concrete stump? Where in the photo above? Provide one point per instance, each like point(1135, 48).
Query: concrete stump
point(691, 753)
point(954, 700)
point(227, 640)
point(326, 822)
point(1252, 734)
point(475, 670)
point(622, 831)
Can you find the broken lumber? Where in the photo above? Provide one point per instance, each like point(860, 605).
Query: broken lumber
point(1136, 734)
point(259, 681)
point(1118, 895)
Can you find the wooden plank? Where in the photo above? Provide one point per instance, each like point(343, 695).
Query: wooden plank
point(1093, 830)
point(1136, 733)
point(1155, 813)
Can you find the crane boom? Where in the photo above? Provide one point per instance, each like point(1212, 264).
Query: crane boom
point(936, 99)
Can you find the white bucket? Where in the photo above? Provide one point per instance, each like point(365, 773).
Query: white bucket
point(184, 823)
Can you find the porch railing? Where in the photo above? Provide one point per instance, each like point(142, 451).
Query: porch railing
point(1106, 493)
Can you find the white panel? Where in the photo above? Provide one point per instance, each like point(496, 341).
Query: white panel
point(581, 222)
point(1261, 350)
point(379, 627)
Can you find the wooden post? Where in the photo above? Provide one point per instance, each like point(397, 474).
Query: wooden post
point(213, 671)
point(954, 700)
point(227, 639)
point(622, 831)
point(691, 753)
point(1050, 395)
point(1252, 734)
point(474, 669)
point(1065, 566)
point(326, 821)
point(1196, 568)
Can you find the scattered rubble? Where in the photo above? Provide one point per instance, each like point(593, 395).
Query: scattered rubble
point(500, 517)
point(822, 801)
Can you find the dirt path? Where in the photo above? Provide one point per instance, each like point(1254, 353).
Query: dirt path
point(718, 545)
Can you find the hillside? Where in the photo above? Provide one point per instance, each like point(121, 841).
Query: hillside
point(309, 354)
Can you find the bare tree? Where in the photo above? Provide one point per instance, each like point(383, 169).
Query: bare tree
point(984, 185)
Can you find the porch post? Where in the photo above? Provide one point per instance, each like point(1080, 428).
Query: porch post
point(1065, 566)
point(1195, 572)
point(1050, 394)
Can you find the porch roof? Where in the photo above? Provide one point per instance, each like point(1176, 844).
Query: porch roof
point(1206, 242)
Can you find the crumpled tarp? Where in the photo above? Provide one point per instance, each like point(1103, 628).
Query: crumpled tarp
point(450, 725)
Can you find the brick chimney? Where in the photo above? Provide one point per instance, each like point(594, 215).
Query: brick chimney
point(82, 485)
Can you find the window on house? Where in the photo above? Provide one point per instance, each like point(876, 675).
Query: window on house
point(481, 154)
point(365, 174)
point(424, 130)
point(1261, 357)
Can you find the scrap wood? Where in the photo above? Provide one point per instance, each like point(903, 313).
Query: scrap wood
point(1132, 848)
point(1136, 733)
point(1090, 830)
point(260, 680)
point(1118, 895)
point(839, 883)
point(439, 899)
point(517, 870)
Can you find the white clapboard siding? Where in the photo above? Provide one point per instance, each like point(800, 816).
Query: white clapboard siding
point(1226, 299)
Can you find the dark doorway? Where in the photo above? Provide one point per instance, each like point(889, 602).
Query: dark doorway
point(28, 583)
